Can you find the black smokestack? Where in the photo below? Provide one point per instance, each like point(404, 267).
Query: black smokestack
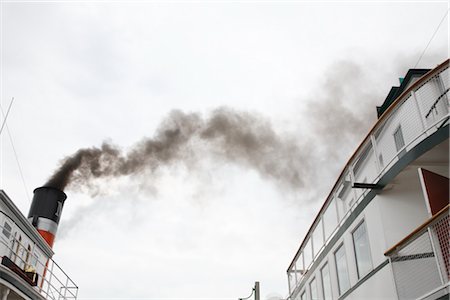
point(239, 137)
point(45, 211)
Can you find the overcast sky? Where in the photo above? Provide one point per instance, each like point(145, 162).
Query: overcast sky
point(84, 73)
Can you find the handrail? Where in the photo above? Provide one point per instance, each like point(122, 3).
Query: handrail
point(357, 200)
point(69, 286)
point(418, 230)
point(44, 278)
point(436, 125)
point(344, 218)
point(436, 102)
point(398, 101)
point(431, 126)
point(65, 274)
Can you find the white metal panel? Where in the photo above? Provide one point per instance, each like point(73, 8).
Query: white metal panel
point(379, 286)
point(402, 206)
point(401, 196)
point(410, 121)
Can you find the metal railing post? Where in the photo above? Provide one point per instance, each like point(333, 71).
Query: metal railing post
point(15, 250)
point(393, 277)
point(421, 115)
point(65, 288)
point(437, 253)
point(50, 277)
point(376, 153)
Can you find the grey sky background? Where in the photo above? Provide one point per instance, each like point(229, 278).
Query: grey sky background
point(82, 73)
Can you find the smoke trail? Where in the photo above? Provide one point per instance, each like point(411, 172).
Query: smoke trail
point(239, 137)
point(338, 116)
point(342, 110)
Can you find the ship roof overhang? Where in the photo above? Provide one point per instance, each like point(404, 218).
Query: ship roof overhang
point(398, 90)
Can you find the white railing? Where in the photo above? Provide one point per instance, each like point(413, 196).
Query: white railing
point(52, 282)
point(420, 112)
point(420, 262)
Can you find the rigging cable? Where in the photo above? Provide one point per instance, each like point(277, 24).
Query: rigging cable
point(429, 42)
point(14, 150)
point(5, 117)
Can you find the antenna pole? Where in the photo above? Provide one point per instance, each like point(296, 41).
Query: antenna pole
point(257, 290)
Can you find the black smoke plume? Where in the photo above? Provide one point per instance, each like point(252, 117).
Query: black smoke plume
point(232, 136)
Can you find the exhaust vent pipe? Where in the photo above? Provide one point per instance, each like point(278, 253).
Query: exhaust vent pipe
point(45, 211)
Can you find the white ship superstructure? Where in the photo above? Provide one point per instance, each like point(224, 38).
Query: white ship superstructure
point(382, 232)
point(27, 270)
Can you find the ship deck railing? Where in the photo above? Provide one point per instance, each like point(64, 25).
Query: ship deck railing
point(425, 100)
point(52, 282)
point(420, 261)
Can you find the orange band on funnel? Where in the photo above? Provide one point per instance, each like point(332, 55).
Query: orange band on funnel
point(48, 237)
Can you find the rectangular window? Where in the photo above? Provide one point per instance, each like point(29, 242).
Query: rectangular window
point(307, 254)
point(35, 259)
point(342, 270)
point(399, 141)
point(344, 189)
point(299, 269)
point(313, 289)
point(330, 219)
point(292, 281)
point(317, 238)
point(362, 250)
point(326, 283)
point(357, 167)
point(7, 230)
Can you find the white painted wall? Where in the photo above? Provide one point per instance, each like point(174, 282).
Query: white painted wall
point(375, 231)
point(402, 207)
point(25, 241)
point(379, 286)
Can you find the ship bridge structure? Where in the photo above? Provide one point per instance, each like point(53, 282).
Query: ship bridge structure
point(383, 230)
point(27, 270)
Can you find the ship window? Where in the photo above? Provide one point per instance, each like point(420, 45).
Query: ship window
point(292, 283)
point(398, 138)
point(299, 266)
point(342, 270)
point(330, 219)
point(362, 250)
point(326, 283)
point(35, 258)
point(345, 187)
point(299, 269)
point(313, 289)
point(307, 254)
point(361, 160)
point(7, 230)
point(317, 237)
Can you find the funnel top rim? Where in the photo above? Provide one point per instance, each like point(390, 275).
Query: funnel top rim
point(51, 188)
